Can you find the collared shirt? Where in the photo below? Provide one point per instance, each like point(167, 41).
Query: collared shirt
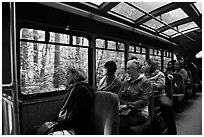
point(136, 94)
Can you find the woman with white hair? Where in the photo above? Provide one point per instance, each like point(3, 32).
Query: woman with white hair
point(134, 97)
point(75, 113)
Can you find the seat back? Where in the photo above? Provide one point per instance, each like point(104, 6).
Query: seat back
point(169, 86)
point(151, 106)
point(190, 76)
point(195, 76)
point(178, 84)
point(106, 113)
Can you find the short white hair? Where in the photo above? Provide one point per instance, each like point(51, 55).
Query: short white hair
point(135, 63)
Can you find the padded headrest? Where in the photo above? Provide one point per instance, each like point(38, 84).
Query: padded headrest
point(106, 112)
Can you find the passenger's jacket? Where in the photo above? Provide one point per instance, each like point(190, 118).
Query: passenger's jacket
point(110, 83)
point(157, 78)
point(136, 94)
point(184, 73)
point(75, 112)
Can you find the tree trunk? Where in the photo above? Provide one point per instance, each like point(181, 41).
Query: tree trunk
point(42, 72)
point(56, 62)
point(24, 57)
point(99, 63)
point(77, 50)
point(35, 56)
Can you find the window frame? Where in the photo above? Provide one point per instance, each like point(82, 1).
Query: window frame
point(156, 53)
point(136, 45)
point(169, 55)
point(106, 49)
point(47, 30)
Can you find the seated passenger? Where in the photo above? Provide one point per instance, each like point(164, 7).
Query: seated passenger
point(187, 64)
point(125, 74)
point(179, 69)
point(157, 78)
point(110, 82)
point(134, 97)
point(75, 113)
point(170, 67)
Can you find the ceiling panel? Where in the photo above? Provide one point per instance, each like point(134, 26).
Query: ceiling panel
point(154, 24)
point(97, 3)
point(127, 11)
point(170, 32)
point(199, 6)
point(173, 16)
point(149, 6)
point(187, 26)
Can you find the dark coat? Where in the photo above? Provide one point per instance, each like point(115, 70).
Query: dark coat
point(76, 109)
point(110, 83)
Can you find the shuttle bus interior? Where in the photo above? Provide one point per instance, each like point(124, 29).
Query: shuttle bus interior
point(40, 39)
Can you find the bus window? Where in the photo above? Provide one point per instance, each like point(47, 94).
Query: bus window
point(140, 57)
point(64, 38)
point(121, 46)
point(156, 55)
point(103, 55)
point(43, 65)
point(167, 58)
point(112, 45)
point(140, 53)
point(80, 41)
point(131, 49)
point(137, 49)
point(100, 43)
point(32, 34)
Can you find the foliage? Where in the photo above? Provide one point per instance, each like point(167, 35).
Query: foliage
point(47, 73)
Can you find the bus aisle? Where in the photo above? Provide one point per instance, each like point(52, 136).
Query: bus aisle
point(189, 122)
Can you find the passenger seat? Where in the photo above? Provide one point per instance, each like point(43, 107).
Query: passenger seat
point(106, 113)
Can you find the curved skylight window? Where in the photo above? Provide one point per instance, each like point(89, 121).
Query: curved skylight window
point(149, 6)
point(97, 3)
point(199, 6)
point(127, 11)
point(185, 31)
point(154, 24)
point(163, 14)
point(170, 32)
point(187, 26)
point(182, 28)
point(173, 16)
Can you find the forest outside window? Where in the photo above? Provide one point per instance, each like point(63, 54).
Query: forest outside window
point(139, 52)
point(43, 64)
point(155, 54)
